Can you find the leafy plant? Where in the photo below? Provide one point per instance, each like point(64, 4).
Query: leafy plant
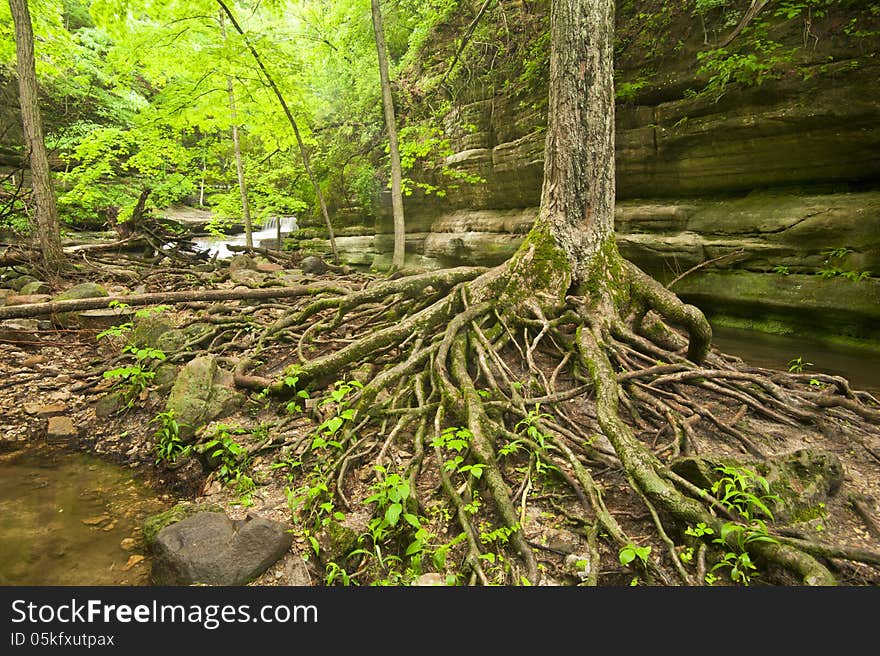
point(169, 447)
point(630, 552)
point(797, 365)
point(232, 457)
point(328, 429)
point(133, 379)
point(530, 426)
point(744, 491)
point(290, 381)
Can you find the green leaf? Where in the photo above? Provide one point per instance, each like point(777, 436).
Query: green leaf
point(392, 514)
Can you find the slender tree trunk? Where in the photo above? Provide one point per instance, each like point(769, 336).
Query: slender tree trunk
point(577, 198)
point(394, 150)
point(239, 168)
point(236, 146)
point(304, 153)
point(46, 214)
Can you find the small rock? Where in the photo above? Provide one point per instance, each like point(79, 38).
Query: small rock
point(430, 579)
point(268, 267)
point(60, 427)
point(240, 262)
point(132, 561)
point(33, 361)
point(313, 265)
point(45, 410)
point(128, 544)
point(96, 521)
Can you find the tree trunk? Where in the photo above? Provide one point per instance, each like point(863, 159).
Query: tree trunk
point(577, 198)
point(393, 148)
point(304, 153)
point(239, 168)
point(236, 146)
point(46, 214)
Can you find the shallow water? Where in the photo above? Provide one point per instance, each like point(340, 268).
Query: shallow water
point(860, 366)
point(63, 519)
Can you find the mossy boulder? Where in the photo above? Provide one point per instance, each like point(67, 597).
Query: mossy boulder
point(82, 290)
point(177, 513)
point(35, 287)
point(148, 330)
point(336, 541)
point(803, 480)
point(201, 393)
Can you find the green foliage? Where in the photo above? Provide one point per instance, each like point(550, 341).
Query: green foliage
point(744, 491)
point(233, 459)
point(630, 552)
point(458, 440)
point(169, 447)
point(764, 61)
point(797, 365)
point(326, 434)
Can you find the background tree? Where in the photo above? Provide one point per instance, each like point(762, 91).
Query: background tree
point(393, 148)
point(46, 211)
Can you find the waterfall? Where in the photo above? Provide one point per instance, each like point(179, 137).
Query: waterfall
point(288, 224)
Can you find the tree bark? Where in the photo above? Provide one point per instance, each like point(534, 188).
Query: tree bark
point(236, 147)
point(577, 197)
point(393, 147)
point(187, 296)
point(304, 153)
point(45, 220)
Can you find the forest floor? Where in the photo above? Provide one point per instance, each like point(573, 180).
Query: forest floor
point(66, 366)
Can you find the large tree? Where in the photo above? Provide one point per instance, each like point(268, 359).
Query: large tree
point(45, 216)
point(480, 384)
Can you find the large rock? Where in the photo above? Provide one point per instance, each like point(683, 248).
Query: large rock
point(803, 480)
point(201, 393)
point(210, 548)
point(82, 290)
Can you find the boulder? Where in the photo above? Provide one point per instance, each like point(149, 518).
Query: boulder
point(201, 393)
point(212, 549)
point(35, 287)
point(803, 480)
point(82, 290)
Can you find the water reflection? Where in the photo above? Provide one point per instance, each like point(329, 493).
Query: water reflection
point(860, 366)
point(71, 519)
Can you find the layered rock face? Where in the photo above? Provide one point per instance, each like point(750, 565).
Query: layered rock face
point(770, 186)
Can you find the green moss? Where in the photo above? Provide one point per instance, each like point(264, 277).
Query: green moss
point(181, 511)
point(538, 265)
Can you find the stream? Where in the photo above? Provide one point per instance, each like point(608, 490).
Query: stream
point(69, 518)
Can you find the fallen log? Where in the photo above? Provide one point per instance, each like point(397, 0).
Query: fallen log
point(167, 298)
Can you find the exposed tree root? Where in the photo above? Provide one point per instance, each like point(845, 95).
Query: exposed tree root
point(518, 395)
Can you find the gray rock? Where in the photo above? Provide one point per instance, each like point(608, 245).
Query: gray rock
point(242, 262)
point(247, 277)
point(210, 548)
point(313, 265)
